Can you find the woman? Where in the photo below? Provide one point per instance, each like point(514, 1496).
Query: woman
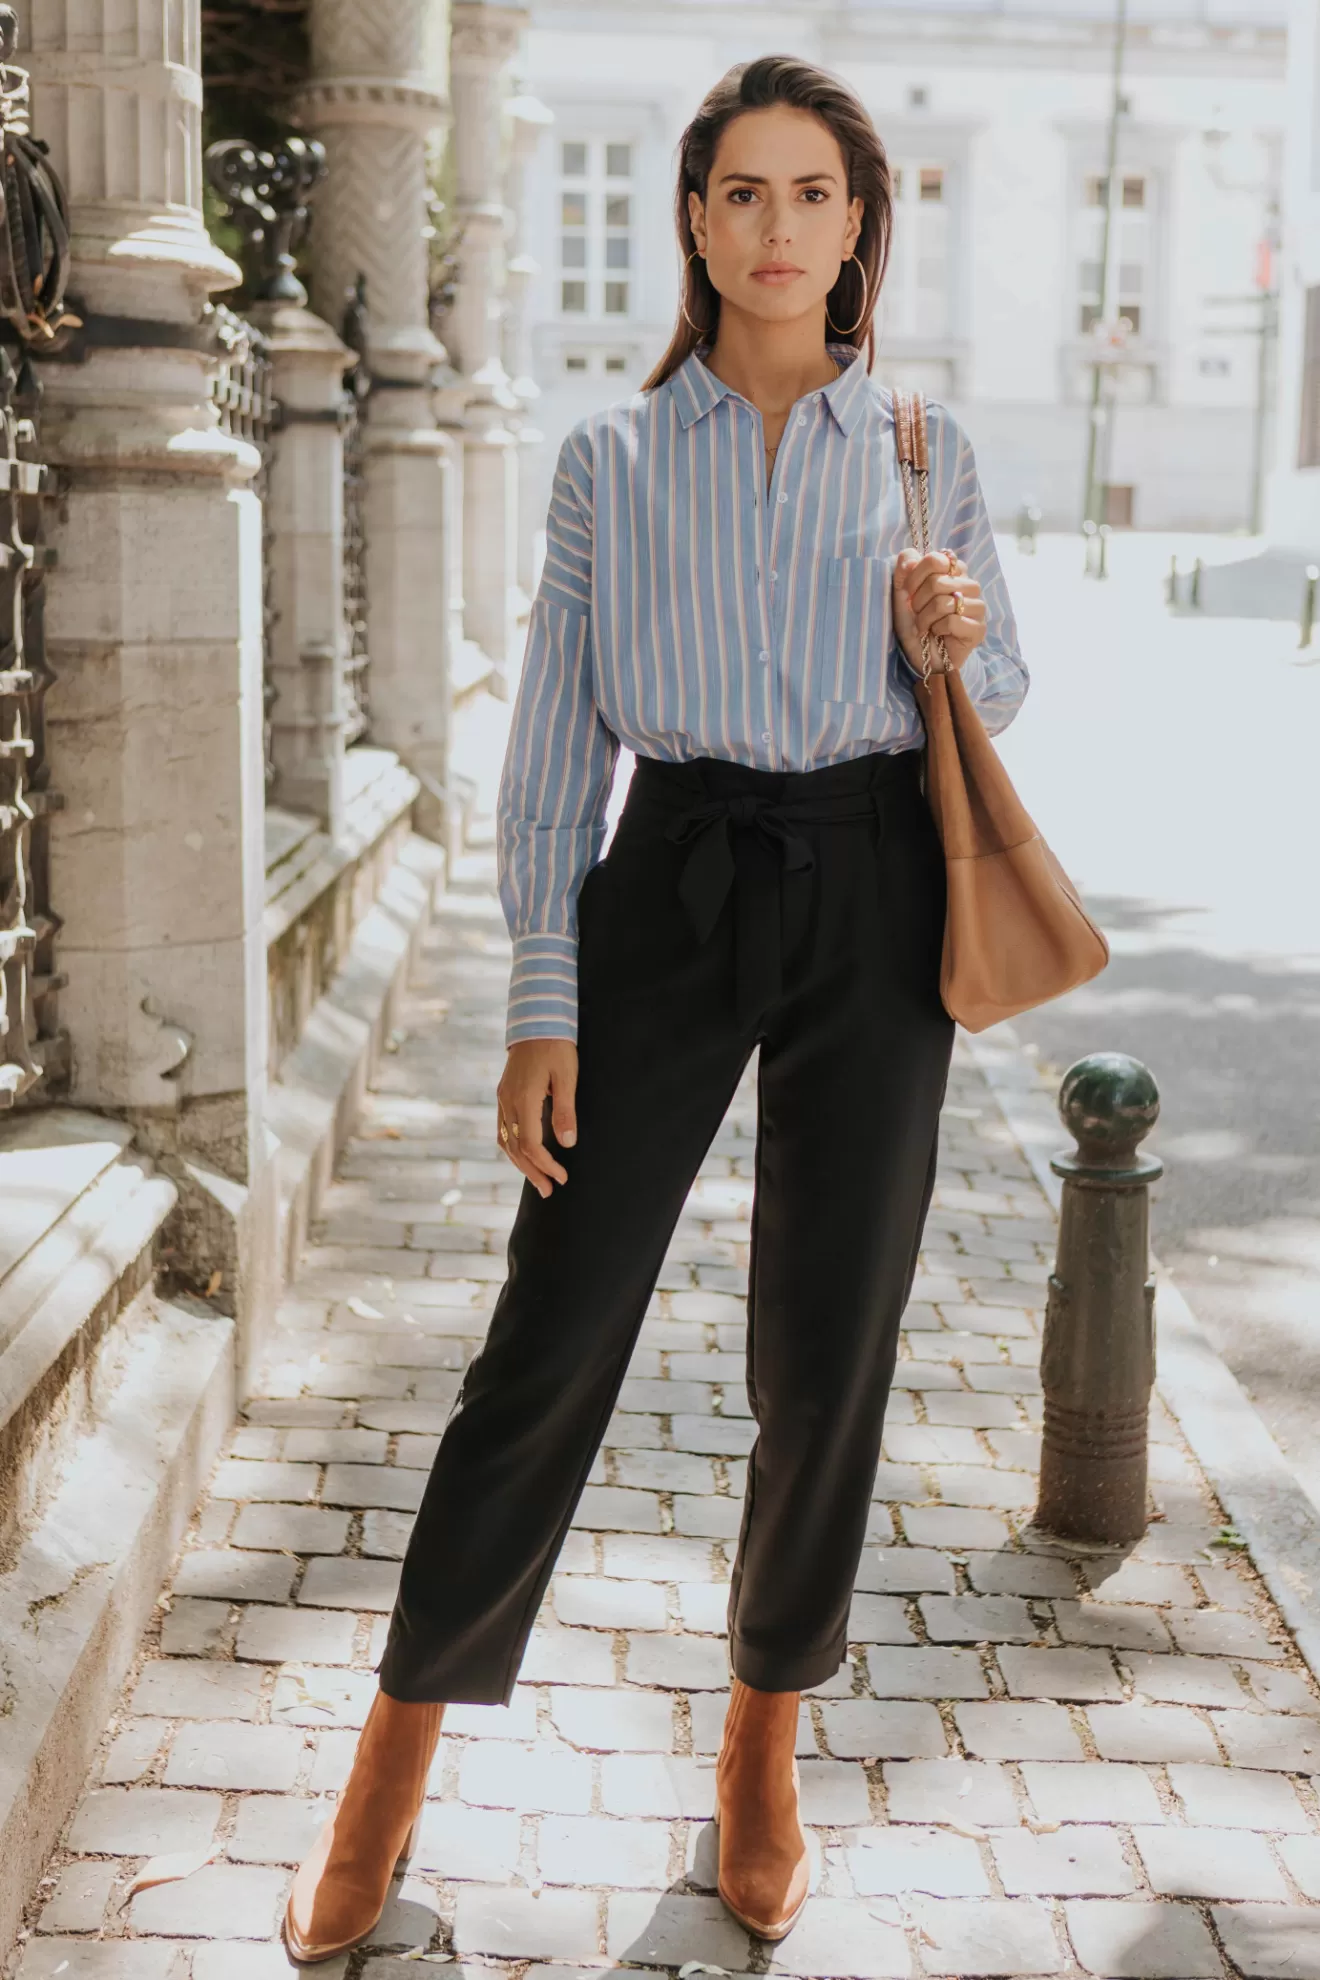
point(724, 588)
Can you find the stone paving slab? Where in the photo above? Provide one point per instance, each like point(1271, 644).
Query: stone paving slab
point(1034, 1762)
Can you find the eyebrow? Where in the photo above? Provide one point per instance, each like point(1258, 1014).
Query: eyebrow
point(754, 178)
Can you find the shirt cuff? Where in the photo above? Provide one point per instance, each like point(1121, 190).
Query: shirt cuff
point(543, 990)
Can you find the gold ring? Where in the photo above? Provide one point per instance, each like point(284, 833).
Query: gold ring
point(959, 605)
point(954, 566)
point(514, 1130)
point(504, 1132)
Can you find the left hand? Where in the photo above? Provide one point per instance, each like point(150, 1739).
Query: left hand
point(927, 592)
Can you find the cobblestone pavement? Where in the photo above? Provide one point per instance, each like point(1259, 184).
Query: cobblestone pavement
point(1032, 1764)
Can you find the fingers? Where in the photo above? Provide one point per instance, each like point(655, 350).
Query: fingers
point(521, 1132)
point(942, 616)
point(563, 1094)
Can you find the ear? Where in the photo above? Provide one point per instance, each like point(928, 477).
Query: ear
point(697, 220)
point(852, 232)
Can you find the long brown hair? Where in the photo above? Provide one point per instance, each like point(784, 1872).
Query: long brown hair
point(759, 85)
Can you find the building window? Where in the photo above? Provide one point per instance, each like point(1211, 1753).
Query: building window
point(597, 215)
point(1097, 191)
point(1308, 447)
point(1135, 251)
point(575, 362)
point(917, 297)
point(616, 364)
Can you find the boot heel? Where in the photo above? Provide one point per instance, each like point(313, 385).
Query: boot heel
point(412, 1838)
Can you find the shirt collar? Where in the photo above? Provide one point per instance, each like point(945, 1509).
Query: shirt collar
point(696, 389)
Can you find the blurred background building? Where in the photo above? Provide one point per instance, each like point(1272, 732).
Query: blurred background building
point(995, 114)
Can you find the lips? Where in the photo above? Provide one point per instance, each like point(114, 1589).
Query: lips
point(776, 273)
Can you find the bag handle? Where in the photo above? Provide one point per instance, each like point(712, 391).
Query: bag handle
point(912, 439)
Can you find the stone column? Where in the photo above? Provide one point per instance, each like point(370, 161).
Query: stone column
point(484, 38)
point(529, 118)
point(305, 497)
point(154, 636)
point(375, 98)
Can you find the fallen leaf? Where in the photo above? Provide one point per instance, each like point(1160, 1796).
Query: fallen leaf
point(214, 1283)
point(362, 1309)
point(383, 1134)
point(1228, 1536)
point(170, 1869)
point(1043, 1828)
point(968, 1829)
point(699, 1966)
point(451, 1197)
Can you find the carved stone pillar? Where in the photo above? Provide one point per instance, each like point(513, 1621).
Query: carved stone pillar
point(377, 95)
point(305, 497)
point(529, 118)
point(154, 634)
point(484, 37)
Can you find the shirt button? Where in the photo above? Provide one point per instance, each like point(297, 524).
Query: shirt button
point(773, 576)
point(766, 736)
point(763, 656)
point(816, 398)
point(802, 419)
point(782, 498)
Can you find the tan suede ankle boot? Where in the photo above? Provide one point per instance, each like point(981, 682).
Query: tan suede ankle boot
point(764, 1866)
point(341, 1887)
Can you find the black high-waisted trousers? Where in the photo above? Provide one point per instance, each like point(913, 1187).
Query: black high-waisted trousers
point(803, 911)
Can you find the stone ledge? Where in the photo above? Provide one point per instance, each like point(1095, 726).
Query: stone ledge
point(303, 861)
point(1245, 1466)
point(79, 1216)
point(83, 1583)
point(311, 1108)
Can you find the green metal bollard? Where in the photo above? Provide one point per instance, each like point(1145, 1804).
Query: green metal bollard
point(1194, 599)
point(1105, 533)
point(1098, 1360)
point(1171, 581)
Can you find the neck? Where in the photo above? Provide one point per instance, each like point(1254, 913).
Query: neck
point(771, 364)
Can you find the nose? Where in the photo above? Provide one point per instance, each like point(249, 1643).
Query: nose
point(778, 228)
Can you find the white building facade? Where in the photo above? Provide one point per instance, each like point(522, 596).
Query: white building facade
point(1295, 494)
point(995, 115)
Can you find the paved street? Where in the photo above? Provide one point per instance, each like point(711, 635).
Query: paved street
point(1032, 1764)
point(1171, 760)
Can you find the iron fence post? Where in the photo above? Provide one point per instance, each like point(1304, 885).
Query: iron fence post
point(1098, 1360)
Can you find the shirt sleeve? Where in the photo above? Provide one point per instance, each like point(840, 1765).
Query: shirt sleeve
point(995, 675)
point(558, 769)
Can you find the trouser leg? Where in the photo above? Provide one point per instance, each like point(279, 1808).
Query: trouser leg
point(659, 1062)
point(852, 1078)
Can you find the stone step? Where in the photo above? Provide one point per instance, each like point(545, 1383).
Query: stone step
point(83, 1579)
point(79, 1217)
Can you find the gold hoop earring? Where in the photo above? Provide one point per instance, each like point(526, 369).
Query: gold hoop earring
point(865, 296)
point(682, 301)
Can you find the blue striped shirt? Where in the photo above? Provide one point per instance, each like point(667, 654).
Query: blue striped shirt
point(685, 611)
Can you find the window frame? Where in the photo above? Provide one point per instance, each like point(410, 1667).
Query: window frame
point(600, 282)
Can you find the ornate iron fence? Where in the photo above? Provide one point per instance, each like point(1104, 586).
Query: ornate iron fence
point(34, 261)
point(357, 384)
point(267, 194)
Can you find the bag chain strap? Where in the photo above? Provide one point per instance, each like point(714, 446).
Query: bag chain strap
point(916, 494)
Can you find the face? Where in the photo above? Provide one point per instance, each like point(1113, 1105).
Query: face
point(777, 223)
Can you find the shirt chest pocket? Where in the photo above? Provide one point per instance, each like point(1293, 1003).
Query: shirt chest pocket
point(854, 642)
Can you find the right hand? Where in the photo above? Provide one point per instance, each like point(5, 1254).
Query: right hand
point(535, 1068)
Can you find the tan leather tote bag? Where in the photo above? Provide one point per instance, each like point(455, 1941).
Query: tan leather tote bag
point(1015, 932)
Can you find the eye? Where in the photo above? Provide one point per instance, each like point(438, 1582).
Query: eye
point(816, 194)
point(737, 195)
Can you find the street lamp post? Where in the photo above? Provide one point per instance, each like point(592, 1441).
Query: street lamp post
point(1108, 274)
